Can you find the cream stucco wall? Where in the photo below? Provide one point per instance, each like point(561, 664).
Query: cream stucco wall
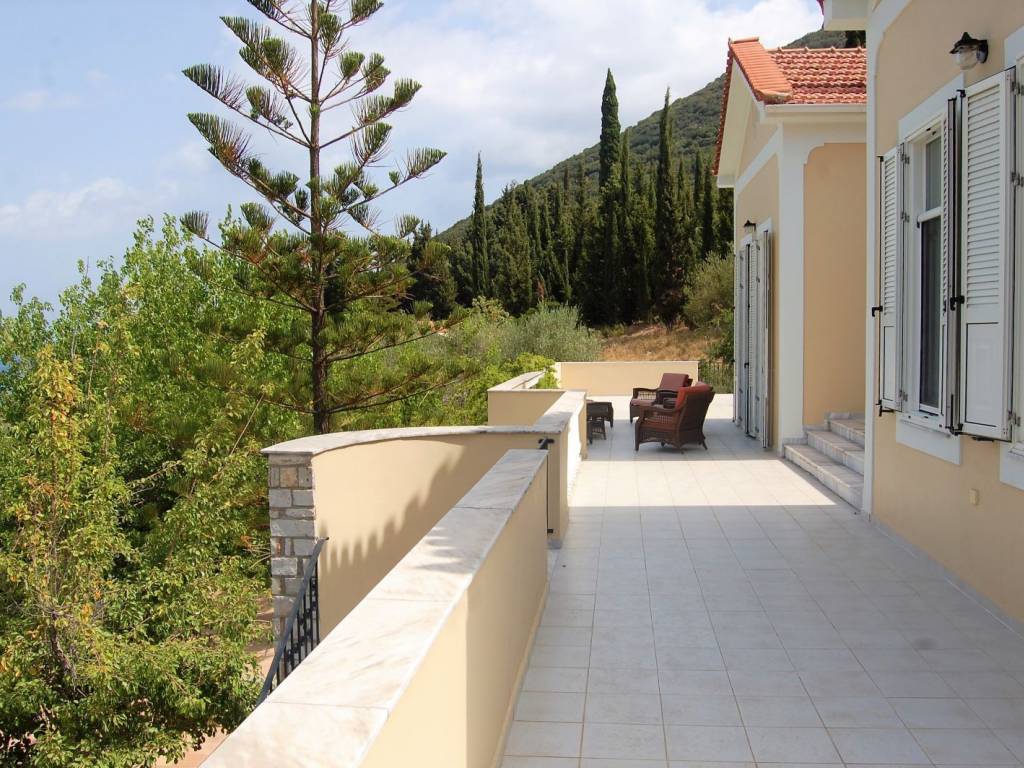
point(834, 280)
point(458, 707)
point(758, 201)
point(925, 499)
point(619, 378)
point(375, 501)
point(518, 406)
point(424, 671)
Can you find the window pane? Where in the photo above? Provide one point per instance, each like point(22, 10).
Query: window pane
point(931, 312)
point(933, 174)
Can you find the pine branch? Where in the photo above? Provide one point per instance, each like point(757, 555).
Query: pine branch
point(279, 14)
point(364, 403)
point(269, 278)
point(369, 349)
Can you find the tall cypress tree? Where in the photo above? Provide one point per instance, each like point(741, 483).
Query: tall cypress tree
point(608, 149)
point(606, 297)
point(514, 269)
point(478, 236)
point(666, 273)
point(561, 239)
point(706, 210)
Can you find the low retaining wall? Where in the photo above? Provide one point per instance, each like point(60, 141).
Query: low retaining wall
point(619, 378)
point(376, 493)
point(424, 671)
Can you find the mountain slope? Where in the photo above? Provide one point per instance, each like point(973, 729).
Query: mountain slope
point(694, 127)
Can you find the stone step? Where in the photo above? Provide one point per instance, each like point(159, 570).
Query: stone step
point(849, 429)
point(838, 478)
point(837, 448)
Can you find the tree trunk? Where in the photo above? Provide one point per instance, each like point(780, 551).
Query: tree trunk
point(321, 414)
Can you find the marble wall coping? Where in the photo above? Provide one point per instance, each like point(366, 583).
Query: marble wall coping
point(552, 421)
point(333, 706)
point(522, 381)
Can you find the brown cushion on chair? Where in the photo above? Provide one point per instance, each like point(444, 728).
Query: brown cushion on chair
point(685, 392)
point(675, 380)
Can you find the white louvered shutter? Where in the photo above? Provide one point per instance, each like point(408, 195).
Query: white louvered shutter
point(736, 337)
point(740, 341)
point(766, 338)
point(752, 316)
point(890, 332)
point(950, 319)
point(986, 258)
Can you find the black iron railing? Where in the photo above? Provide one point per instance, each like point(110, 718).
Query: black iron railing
point(302, 630)
point(717, 373)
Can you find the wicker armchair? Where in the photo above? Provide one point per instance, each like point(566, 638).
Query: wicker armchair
point(670, 384)
point(679, 425)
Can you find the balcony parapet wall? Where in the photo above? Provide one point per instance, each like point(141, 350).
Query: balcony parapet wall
point(423, 671)
point(376, 493)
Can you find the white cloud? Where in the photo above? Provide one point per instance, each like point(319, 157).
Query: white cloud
point(521, 80)
point(38, 99)
point(101, 206)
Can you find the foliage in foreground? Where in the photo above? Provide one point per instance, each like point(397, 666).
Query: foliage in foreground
point(133, 497)
point(132, 503)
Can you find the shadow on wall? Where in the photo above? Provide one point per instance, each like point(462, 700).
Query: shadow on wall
point(503, 608)
point(376, 501)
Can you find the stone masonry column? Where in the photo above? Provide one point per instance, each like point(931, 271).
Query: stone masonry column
point(292, 535)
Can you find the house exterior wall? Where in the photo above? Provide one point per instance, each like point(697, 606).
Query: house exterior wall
point(924, 499)
point(834, 284)
point(758, 201)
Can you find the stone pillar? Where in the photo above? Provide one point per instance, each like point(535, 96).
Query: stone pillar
point(292, 535)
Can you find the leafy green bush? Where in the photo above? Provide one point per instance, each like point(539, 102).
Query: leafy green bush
point(710, 293)
point(556, 332)
point(722, 349)
point(487, 348)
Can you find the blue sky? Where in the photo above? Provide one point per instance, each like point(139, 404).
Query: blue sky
point(93, 132)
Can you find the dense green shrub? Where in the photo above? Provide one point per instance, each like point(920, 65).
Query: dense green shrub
point(487, 348)
point(710, 293)
point(556, 332)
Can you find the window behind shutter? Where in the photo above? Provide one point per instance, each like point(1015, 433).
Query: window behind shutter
point(891, 280)
point(987, 268)
point(950, 261)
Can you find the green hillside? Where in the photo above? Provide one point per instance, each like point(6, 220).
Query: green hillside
point(695, 126)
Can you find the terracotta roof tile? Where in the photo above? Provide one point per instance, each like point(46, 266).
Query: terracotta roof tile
point(824, 75)
point(795, 76)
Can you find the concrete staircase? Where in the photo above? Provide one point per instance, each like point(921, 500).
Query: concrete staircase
point(835, 456)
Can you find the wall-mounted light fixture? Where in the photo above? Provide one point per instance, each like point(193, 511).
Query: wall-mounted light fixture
point(750, 227)
point(969, 51)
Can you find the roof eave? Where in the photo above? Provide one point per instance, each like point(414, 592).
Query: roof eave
point(816, 113)
point(843, 15)
point(737, 111)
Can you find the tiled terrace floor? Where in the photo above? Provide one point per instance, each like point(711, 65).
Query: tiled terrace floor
point(720, 607)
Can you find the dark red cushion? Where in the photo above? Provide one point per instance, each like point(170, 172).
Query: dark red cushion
point(675, 380)
point(685, 392)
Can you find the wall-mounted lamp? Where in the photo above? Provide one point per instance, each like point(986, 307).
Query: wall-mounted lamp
point(750, 227)
point(969, 51)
